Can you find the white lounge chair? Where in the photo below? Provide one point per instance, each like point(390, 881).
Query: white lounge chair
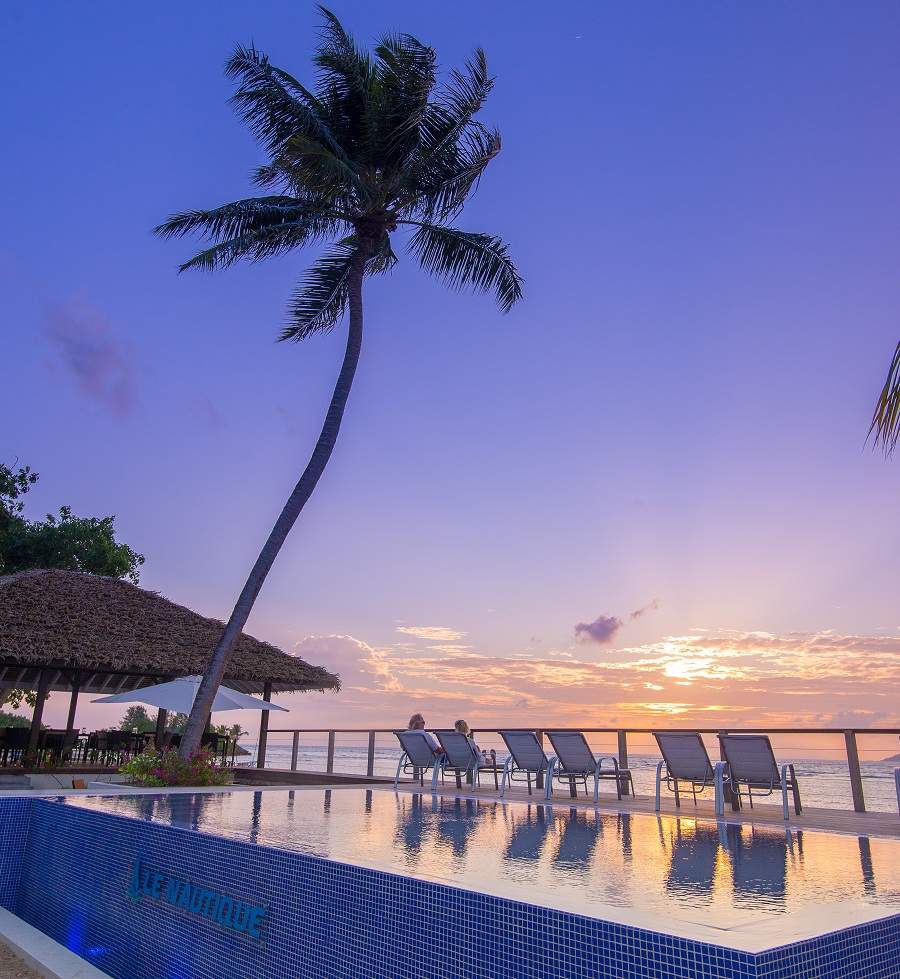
point(685, 759)
point(526, 756)
point(417, 758)
point(576, 762)
point(750, 761)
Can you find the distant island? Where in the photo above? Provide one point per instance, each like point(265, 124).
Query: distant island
point(893, 758)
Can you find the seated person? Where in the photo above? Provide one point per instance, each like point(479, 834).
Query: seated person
point(417, 726)
point(487, 758)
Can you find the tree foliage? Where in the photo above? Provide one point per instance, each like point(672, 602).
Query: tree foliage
point(59, 541)
point(137, 717)
point(378, 145)
point(885, 425)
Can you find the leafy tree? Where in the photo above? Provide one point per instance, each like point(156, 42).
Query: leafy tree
point(178, 723)
point(377, 148)
point(137, 717)
point(13, 720)
point(886, 419)
point(14, 484)
point(64, 541)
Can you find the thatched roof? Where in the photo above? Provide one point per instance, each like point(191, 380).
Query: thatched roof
point(121, 637)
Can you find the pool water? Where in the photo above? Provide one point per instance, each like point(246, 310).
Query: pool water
point(674, 869)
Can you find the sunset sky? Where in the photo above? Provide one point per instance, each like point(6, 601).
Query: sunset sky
point(642, 497)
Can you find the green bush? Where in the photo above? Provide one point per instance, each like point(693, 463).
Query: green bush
point(154, 769)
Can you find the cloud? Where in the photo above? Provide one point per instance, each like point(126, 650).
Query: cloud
point(433, 633)
point(650, 607)
point(87, 348)
point(783, 680)
point(605, 628)
point(359, 665)
point(602, 630)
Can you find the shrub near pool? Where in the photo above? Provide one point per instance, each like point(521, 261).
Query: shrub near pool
point(157, 770)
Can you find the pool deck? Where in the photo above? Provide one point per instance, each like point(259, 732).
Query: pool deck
point(884, 824)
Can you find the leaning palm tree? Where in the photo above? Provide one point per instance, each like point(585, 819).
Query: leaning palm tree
point(378, 149)
point(886, 419)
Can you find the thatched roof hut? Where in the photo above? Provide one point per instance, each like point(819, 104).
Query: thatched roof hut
point(109, 636)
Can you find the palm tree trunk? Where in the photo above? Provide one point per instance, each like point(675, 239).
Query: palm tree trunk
point(196, 724)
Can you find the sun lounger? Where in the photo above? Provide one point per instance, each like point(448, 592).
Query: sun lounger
point(460, 758)
point(526, 757)
point(751, 762)
point(575, 762)
point(685, 759)
point(417, 758)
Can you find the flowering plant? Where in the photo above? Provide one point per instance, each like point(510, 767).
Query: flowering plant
point(154, 769)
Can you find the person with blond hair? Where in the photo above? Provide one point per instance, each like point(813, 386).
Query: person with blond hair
point(487, 758)
point(417, 726)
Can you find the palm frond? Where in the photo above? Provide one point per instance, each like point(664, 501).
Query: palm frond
point(316, 170)
point(240, 217)
point(406, 77)
point(319, 301)
point(886, 419)
point(383, 259)
point(441, 190)
point(255, 246)
point(466, 258)
point(274, 105)
point(456, 105)
point(344, 69)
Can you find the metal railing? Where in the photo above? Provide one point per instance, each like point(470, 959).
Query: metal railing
point(849, 736)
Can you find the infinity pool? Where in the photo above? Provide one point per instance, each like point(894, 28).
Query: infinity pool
point(687, 876)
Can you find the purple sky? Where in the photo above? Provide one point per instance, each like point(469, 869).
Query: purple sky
point(702, 201)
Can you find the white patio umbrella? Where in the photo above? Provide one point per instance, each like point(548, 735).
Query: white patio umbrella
point(178, 696)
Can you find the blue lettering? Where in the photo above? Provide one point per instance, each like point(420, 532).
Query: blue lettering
point(184, 898)
point(241, 916)
point(134, 889)
point(145, 880)
point(255, 923)
point(223, 913)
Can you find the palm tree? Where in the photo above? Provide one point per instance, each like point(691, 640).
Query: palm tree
point(886, 419)
point(378, 147)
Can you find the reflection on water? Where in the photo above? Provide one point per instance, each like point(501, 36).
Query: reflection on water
point(559, 855)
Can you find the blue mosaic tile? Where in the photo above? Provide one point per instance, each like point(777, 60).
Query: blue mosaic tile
point(329, 920)
point(15, 816)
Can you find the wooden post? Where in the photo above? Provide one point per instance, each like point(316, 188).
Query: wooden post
point(73, 703)
point(329, 762)
point(370, 762)
point(295, 750)
point(622, 751)
point(856, 784)
point(263, 727)
point(34, 734)
point(162, 718)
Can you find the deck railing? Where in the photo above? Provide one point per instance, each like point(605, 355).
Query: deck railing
point(851, 748)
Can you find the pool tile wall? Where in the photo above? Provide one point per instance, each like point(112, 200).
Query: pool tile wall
point(326, 919)
point(15, 816)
